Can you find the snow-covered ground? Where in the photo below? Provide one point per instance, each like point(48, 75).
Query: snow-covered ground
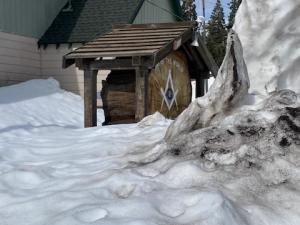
point(52, 171)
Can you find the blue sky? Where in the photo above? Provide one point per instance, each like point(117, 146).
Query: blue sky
point(210, 4)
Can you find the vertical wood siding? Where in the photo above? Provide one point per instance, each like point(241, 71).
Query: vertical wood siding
point(71, 79)
point(29, 18)
point(152, 14)
point(19, 59)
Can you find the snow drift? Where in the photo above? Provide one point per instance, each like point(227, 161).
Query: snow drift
point(269, 31)
point(54, 172)
point(40, 103)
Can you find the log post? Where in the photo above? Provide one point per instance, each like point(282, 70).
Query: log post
point(90, 98)
point(141, 93)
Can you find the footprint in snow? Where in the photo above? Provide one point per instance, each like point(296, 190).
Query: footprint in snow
point(91, 215)
point(22, 179)
point(172, 211)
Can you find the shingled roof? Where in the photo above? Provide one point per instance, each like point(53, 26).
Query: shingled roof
point(89, 19)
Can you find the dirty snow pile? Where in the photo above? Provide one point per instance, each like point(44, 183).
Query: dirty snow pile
point(249, 152)
point(269, 31)
point(219, 130)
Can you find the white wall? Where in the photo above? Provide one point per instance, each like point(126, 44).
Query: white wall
point(71, 79)
point(19, 59)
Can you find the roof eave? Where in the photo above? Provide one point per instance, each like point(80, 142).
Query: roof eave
point(136, 12)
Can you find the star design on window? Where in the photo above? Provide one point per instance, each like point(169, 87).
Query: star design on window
point(169, 94)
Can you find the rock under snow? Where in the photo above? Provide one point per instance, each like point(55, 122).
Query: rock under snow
point(269, 31)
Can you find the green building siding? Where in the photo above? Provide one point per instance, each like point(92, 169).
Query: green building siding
point(150, 13)
point(28, 18)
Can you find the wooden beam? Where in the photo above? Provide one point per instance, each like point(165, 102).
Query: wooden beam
point(187, 52)
point(136, 60)
point(67, 62)
point(121, 64)
point(141, 93)
point(152, 34)
point(82, 63)
point(123, 44)
point(153, 25)
point(112, 64)
point(146, 72)
point(207, 57)
point(164, 51)
point(90, 55)
point(129, 42)
point(146, 31)
point(90, 98)
point(117, 49)
point(147, 62)
point(146, 37)
point(196, 57)
point(150, 42)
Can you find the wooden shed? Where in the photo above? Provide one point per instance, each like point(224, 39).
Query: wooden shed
point(151, 70)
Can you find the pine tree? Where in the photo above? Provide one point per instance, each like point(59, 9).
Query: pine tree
point(189, 10)
point(217, 33)
point(233, 5)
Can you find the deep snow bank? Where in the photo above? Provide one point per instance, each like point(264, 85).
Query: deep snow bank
point(270, 34)
point(53, 174)
point(39, 103)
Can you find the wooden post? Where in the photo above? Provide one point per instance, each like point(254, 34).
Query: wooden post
point(141, 93)
point(200, 87)
point(90, 98)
